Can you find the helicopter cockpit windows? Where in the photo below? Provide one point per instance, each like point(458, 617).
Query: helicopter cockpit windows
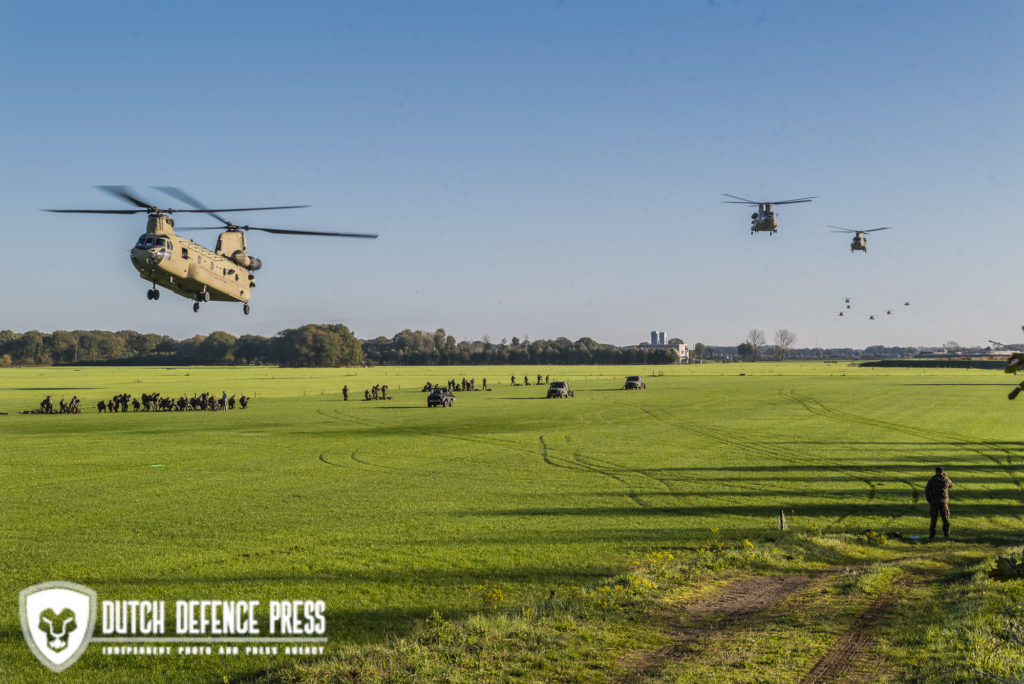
point(148, 242)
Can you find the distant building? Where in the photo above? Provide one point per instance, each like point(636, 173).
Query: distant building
point(658, 342)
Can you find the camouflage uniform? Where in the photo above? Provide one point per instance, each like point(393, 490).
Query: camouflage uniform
point(936, 492)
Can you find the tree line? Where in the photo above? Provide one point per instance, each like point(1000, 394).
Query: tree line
point(309, 345)
point(312, 345)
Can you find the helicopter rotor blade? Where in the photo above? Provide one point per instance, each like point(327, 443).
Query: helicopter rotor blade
point(837, 229)
point(210, 211)
point(873, 230)
point(97, 211)
point(741, 200)
point(794, 201)
point(178, 193)
point(122, 192)
point(284, 231)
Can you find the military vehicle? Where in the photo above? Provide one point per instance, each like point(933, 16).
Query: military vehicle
point(559, 390)
point(764, 220)
point(186, 268)
point(440, 396)
point(634, 382)
point(860, 239)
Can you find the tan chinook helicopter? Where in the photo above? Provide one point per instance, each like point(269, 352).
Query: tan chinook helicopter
point(764, 220)
point(224, 274)
point(860, 238)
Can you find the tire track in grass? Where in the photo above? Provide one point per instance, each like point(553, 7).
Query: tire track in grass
point(546, 455)
point(853, 647)
point(816, 407)
point(857, 645)
point(579, 465)
point(776, 452)
point(440, 432)
point(425, 433)
point(716, 618)
point(632, 493)
point(331, 463)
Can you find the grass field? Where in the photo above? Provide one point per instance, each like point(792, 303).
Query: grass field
point(393, 513)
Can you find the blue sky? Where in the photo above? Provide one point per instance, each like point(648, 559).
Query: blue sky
point(534, 169)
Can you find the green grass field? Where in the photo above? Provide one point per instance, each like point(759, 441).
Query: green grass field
point(390, 512)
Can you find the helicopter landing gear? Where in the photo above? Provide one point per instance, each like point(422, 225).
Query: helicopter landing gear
point(153, 294)
point(195, 307)
point(245, 309)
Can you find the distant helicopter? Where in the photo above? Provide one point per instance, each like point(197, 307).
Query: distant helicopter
point(860, 239)
point(764, 219)
point(185, 267)
point(1013, 365)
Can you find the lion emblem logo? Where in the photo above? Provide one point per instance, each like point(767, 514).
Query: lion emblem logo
point(57, 626)
point(57, 619)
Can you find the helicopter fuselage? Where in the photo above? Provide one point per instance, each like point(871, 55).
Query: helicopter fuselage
point(191, 270)
point(764, 220)
point(860, 243)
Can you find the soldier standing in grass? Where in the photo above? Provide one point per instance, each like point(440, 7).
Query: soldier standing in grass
point(936, 492)
point(344, 392)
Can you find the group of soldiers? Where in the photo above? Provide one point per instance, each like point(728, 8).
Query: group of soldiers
point(46, 406)
point(203, 402)
point(541, 380)
point(375, 393)
point(454, 385)
point(149, 402)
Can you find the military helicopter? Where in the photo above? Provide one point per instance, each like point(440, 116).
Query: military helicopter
point(185, 267)
point(764, 219)
point(860, 239)
point(1013, 365)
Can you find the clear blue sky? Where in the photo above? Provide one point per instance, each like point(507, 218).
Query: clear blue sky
point(534, 169)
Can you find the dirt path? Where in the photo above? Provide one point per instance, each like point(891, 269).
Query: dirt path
point(853, 647)
point(725, 609)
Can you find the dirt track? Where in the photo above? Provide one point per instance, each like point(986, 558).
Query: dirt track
point(727, 607)
point(852, 647)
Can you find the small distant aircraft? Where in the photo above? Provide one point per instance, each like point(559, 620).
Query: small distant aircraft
point(860, 239)
point(764, 220)
point(871, 317)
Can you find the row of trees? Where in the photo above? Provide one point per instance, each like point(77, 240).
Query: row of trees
point(309, 345)
point(414, 348)
point(756, 344)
